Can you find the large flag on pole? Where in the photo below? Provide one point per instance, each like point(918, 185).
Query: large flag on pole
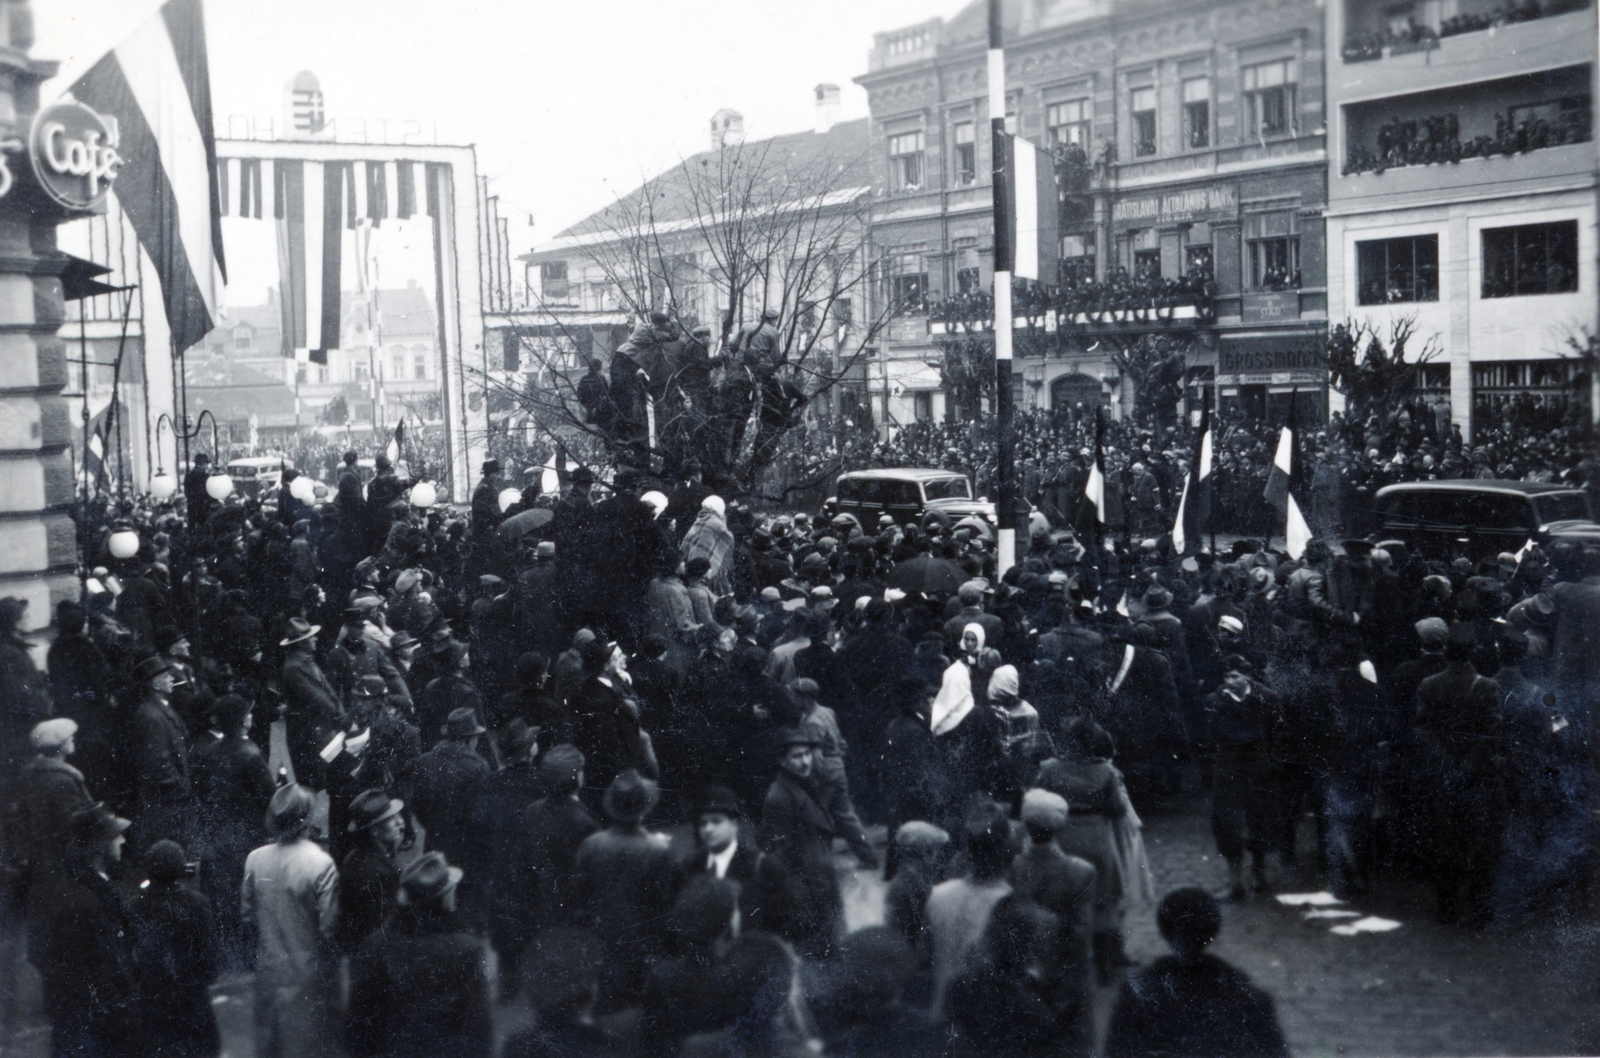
point(1194, 507)
point(1283, 489)
point(1091, 514)
point(157, 86)
point(1035, 212)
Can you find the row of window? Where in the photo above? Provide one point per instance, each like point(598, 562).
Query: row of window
point(1517, 261)
point(1268, 104)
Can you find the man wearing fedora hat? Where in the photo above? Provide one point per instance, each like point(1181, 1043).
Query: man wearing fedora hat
point(722, 851)
point(486, 502)
point(628, 880)
point(420, 988)
point(449, 783)
point(290, 893)
point(81, 942)
point(312, 709)
point(798, 830)
point(161, 765)
point(355, 655)
point(369, 876)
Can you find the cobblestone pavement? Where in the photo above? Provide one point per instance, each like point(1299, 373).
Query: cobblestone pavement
point(1521, 988)
point(1423, 989)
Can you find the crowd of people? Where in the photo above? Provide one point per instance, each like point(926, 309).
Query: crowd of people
point(1348, 460)
point(613, 733)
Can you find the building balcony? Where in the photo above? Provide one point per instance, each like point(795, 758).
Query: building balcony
point(1377, 62)
point(1370, 42)
point(1117, 304)
point(1525, 128)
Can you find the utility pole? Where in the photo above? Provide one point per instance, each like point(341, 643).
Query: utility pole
point(1004, 262)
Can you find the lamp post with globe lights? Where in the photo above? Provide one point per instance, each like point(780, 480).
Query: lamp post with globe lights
point(218, 485)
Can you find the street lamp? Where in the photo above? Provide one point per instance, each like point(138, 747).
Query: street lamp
point(162, 486)
point(424, 495)
point(217, 490)
point(123, 542)
point(508, 497)
point(302, 489)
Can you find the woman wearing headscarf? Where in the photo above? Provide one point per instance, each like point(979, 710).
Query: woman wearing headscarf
point(710, 538)
point(969, 737)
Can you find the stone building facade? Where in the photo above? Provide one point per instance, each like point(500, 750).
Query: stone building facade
point(1202, 180)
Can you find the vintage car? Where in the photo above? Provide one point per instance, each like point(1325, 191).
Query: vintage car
point(907, 495)
point(254, 475)
point(1482, 517)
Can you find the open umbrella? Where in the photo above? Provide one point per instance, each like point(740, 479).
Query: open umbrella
point(519, 525)
point(928, 575)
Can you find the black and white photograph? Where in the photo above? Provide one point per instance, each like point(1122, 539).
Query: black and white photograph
point(844, 529)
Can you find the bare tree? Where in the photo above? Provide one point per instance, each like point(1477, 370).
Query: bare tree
point(713, 243)
point(1374, 374)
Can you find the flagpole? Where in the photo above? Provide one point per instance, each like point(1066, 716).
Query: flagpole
point(1004, 253)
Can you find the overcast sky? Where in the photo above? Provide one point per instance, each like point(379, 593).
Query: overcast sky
point(569, 103)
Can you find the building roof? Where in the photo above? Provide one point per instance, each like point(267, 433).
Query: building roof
point(404, 312)
point(233, 392)
point(841, 153)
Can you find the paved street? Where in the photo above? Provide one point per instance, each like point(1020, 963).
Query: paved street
point(1421, 989)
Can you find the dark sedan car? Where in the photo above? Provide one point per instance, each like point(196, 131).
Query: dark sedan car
point(1483, 517)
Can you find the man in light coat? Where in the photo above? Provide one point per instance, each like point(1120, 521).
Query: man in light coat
point(291, 894)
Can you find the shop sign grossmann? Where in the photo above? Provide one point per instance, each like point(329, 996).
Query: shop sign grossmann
point(74, 154)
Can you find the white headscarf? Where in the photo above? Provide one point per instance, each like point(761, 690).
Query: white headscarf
point(954, 700)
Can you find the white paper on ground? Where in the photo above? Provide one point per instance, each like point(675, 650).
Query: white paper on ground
point(1332, 913)
point(1370, 924)
point(1314, 899)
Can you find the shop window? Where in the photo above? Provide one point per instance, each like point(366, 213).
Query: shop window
point(1269, 97)
point(966, 154)
point(922, 406)
point(905, 161)
point(1395, 270)
point(1147, 264)
point(1142, 104)
point(1530, 259)
point(1197, 112)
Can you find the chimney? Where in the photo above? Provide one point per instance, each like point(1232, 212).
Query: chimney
point(727, 129)
point(827, 107)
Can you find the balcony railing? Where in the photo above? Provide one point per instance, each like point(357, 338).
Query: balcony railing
point(1436, 140)
point(1120, 299)
point(1416, 36)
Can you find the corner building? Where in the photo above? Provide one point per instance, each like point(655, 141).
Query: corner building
point(1204, 131)
point(1462, 192)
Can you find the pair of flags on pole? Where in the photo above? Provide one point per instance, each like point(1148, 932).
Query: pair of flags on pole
point(1283, 488)
point(1194, 506)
